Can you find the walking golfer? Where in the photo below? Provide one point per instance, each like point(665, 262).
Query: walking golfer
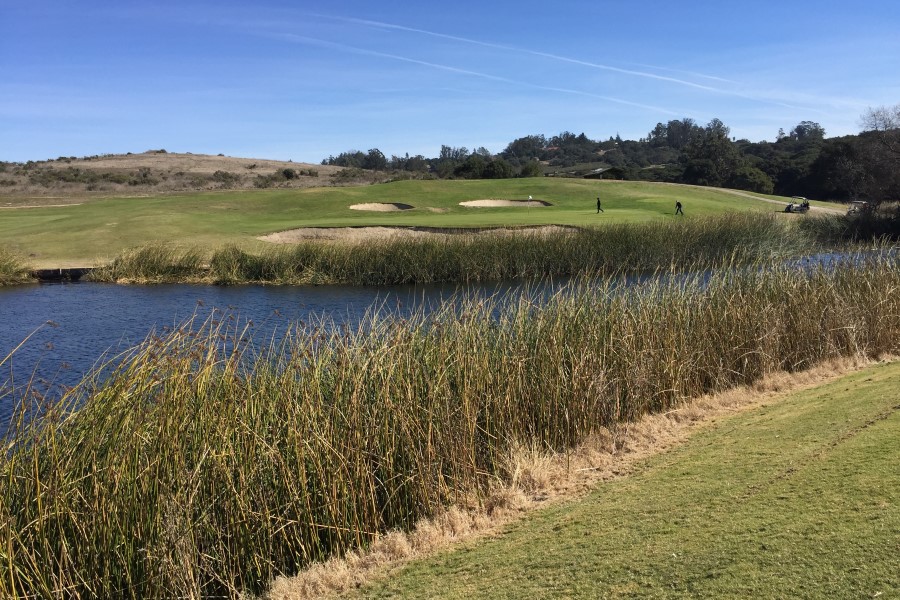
point(599, 208)
point(678, 210)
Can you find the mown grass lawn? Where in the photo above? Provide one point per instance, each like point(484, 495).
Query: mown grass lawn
point(798, 499)
point(97, 230)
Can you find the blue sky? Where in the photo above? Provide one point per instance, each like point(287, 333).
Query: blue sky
point(304, 80)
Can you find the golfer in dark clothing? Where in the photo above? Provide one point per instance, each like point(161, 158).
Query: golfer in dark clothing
point(678, 210)
point(599, 208)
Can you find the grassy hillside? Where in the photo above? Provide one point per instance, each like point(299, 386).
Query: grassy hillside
point(797, 499)
point(96, 230)
point(68, 179)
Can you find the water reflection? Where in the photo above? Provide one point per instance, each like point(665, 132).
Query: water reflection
point(72, 326)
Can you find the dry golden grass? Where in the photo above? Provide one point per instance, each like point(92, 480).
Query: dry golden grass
point(535, 477)
point(172, 171)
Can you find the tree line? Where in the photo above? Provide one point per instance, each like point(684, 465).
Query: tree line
point(800, 162)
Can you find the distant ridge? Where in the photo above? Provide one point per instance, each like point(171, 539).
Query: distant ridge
point(158, 171)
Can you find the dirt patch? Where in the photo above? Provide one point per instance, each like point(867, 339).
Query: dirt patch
point(491, 203)
point(10, 205)
point(189, 163)
point(382, 206)
point(156, 172)
point(354, 235)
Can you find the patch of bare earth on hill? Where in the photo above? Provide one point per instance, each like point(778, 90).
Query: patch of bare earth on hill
point(537, 478)
point(40, 203)
point(353, 235)
point(155, 172)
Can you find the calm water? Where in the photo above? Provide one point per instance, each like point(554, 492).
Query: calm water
point(90, 320)
point(73, 325)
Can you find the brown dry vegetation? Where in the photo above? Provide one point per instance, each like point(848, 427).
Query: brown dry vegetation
point(68, 180)
point(536, 478)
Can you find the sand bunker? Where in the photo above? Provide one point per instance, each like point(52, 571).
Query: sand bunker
point(493, 203)
point(382, 207)
point(367, 234)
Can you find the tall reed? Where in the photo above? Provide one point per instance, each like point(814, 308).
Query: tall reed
point(207, 465)
point(12, 269)
point(459, 258)
point(882, 223)
point(153, 263)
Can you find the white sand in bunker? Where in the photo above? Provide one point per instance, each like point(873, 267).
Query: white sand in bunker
point(500, 202)
point(382, 206)
point(373, 234)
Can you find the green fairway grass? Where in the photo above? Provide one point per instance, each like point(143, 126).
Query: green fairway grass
point(97, 230)
point(798, 499)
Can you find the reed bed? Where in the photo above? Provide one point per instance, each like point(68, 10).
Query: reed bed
point(882, 224)
point(462, 258)
point(205, 465)
point(154, 263)
point(12, 269)
point(469, 258)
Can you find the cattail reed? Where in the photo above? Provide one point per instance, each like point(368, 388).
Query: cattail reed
point(469, 258)
point(205, 465)
point(12, 269)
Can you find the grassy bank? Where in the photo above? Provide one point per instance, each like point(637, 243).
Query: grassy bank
point(799, 498)
point(202, 466)
point(634, 247)
point(12, 269)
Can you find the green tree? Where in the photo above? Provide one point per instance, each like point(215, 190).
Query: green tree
point(711, 158)
point(521, 150)
point(839, 172)
point(471, 168)
point(751, 179)
point(498, 169)
point(374, 160)
point(449, 160)
point(531, 169)
point(807, 131)
point(351, 158)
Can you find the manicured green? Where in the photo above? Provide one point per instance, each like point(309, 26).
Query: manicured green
point(798, 499)
point(204, 466)
point(98, 230)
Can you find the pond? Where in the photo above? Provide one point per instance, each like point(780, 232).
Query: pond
point(73, 325)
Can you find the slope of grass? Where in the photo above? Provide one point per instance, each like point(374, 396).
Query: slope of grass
point(798, 499)
point(95, 231)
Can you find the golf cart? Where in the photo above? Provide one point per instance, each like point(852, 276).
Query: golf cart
point(856, 207)
point(799, 204)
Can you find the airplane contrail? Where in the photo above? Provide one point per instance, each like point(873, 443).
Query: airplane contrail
point(291, 37)
point(632, 72)
point(525, 50)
